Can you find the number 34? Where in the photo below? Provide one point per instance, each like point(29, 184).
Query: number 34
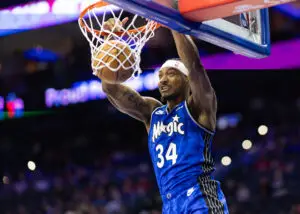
point(171, 154)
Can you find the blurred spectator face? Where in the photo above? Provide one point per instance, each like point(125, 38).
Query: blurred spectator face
point(22, 210)
point(275, 164)
point(127, 186)
point(265, 188)
point(278, 175)
point(114, 193)
point(100, 193)
point(230, 184)
point(243, 193)
point(295, 209)
point(290, 168)
point(143, 185)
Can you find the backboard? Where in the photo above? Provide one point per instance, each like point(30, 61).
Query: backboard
point(245, 34)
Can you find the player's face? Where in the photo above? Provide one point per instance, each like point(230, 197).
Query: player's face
point(171, 83)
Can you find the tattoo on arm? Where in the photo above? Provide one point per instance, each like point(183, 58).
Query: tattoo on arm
point(137, 102)
point(130, 102)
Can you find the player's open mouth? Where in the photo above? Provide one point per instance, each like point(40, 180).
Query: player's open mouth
point(164, 88)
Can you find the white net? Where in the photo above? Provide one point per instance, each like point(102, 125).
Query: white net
point(123, 43)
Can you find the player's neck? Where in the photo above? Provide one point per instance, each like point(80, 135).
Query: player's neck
point(173, 103)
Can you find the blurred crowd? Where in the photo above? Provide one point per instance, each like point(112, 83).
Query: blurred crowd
point(270, 182)
point(85, 162)
point(87, 173)
point(79, 189)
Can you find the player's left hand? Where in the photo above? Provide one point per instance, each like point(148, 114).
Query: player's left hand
point(115, 24)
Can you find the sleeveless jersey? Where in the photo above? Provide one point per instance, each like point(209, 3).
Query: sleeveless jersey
point(179, 147)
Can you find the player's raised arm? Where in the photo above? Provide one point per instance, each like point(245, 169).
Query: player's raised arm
point(203, 102)
point(130, 102)
point(123, 97)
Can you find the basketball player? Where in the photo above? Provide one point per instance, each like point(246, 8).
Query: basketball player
point(180, 132)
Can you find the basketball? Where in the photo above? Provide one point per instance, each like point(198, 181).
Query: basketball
point(113, 55)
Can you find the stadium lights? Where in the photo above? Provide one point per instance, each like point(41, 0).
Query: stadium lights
point(222, 124)
point(226, 161)
point(262, 130)
point(247, 144)
point(31, 165)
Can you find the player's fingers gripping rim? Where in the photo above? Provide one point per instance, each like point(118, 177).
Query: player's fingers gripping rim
point(124, 21)
point(110, 24)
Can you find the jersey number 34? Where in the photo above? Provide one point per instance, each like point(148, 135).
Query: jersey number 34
point(171, 154)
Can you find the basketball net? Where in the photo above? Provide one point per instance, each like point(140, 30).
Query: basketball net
point(92, 27)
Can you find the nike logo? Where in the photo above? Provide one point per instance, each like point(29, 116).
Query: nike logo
point(159, 112)
point(190, 192)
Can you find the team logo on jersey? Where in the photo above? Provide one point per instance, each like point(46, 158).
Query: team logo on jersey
point(159, 112)
point(173, 127)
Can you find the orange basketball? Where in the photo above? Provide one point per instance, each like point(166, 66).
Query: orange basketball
point(120, 51)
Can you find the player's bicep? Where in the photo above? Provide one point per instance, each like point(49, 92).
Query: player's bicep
point(199, 82)
point(203, 101)
point(203, 94)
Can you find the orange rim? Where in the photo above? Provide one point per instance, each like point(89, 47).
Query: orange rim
point(103, 4)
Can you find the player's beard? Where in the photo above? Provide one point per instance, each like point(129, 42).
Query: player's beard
point(170, 97)
point(174, 95)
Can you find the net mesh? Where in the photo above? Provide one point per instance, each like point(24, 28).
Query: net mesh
point(119, 39)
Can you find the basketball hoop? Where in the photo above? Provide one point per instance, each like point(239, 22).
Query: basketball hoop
point(91, 24)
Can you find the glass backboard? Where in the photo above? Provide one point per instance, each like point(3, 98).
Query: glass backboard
point(234, 33)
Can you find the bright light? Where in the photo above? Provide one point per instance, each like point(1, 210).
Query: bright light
point(247, 144)
point(5, 180)
point(31, 165)
point(262, 130)
point(222, 123)
point(226, 161)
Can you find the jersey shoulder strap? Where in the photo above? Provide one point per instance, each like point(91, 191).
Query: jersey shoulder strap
point(196, 122)
point(158, 111)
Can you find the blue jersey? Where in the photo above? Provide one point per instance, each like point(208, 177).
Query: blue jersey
point(180, 148)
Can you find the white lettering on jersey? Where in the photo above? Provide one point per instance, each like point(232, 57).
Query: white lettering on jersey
point(173, 127)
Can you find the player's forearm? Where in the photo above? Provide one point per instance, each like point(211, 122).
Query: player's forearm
point(122, 95)
point(111, 89)
point(187, 51)
point(202, 91)
point(127, 101)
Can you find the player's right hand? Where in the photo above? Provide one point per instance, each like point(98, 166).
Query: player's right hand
point(114, 25)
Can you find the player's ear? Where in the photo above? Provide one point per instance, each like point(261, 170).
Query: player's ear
point(186, 79)
point(186, 82)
